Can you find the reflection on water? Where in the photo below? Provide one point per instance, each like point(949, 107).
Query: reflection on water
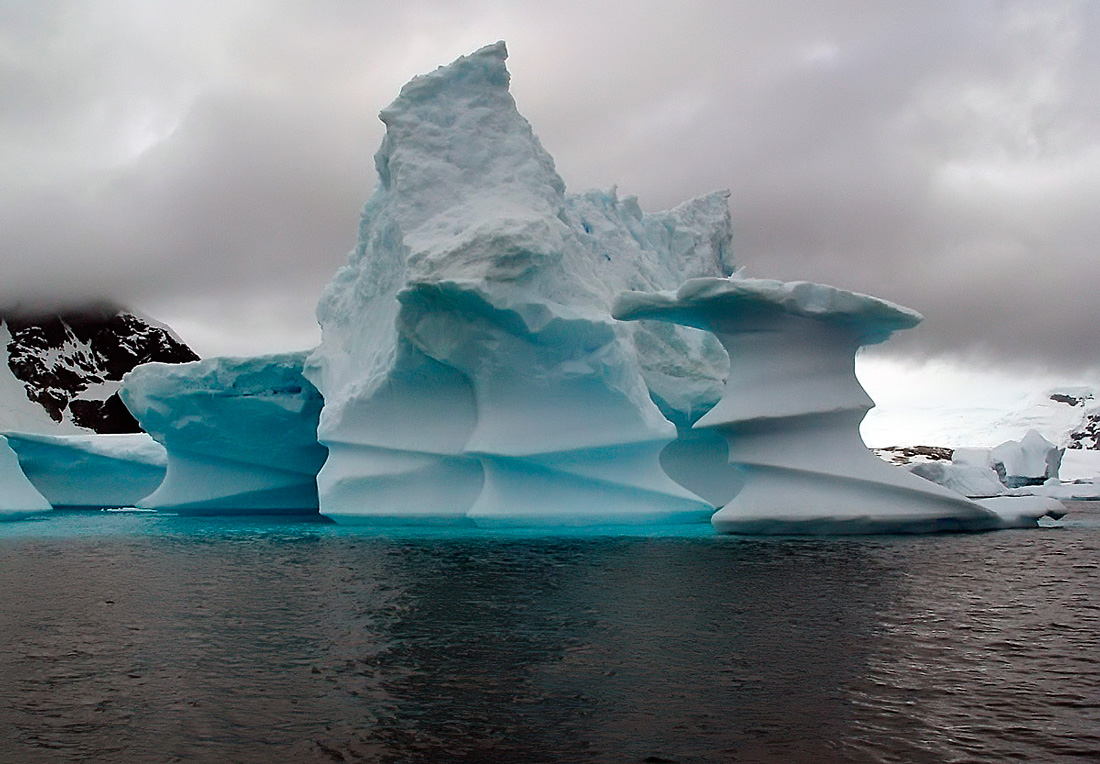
point(141, 639)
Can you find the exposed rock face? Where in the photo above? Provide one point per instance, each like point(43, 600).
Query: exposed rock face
point(1086, 435)
point(903, 455)
point(71, 363)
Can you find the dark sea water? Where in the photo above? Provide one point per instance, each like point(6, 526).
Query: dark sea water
point(141, 638)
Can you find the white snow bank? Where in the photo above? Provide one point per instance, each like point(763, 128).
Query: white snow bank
point(1084, 490)
point(1079, 464)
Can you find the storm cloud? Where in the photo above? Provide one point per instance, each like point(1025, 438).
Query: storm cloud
point(206, 161)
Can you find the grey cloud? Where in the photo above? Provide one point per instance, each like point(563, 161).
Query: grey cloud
point(940, 154)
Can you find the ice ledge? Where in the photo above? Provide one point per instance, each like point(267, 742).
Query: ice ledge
point(707, 302)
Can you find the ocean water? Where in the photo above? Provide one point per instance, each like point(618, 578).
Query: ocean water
point(145, 638)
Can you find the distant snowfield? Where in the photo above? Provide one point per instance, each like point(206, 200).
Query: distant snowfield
point(940, 403)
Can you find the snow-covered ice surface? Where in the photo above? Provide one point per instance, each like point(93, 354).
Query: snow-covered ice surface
point(469, 365)
point(90, 471)
point(241, 433)
point(791, 410)
point(960, 409)
point(18, 497)
point(1080, 464)
point(1077, 490)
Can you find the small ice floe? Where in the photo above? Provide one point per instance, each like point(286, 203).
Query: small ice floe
point(1024, 511)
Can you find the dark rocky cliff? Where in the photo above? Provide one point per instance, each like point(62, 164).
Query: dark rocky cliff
point(70, 361)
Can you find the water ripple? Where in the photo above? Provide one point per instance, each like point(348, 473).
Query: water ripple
point(147, 639)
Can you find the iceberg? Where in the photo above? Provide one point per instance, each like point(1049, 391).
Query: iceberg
point(1024, 511)
point(970, 480)
point(498, 351)
point(1076, 490)
point(18, 497)
point(791, 410)
point(470, 370)
point(91, 471)
point(1033, 460)
point(240, 434)
point(1016, 467)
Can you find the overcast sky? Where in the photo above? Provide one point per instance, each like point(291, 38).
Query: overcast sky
point(205, 162)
